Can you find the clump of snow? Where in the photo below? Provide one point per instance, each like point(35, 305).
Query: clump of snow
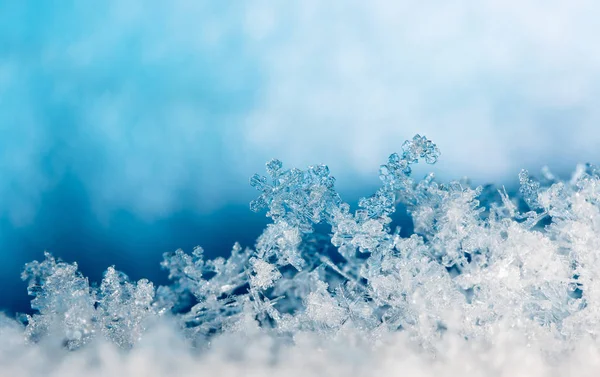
point(486, 285)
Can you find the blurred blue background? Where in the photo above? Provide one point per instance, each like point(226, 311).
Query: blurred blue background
point(129, 128)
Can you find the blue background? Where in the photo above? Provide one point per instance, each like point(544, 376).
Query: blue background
point(130, 128)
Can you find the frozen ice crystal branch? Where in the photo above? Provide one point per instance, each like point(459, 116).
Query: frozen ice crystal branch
point(71, 311)
point(483, 273)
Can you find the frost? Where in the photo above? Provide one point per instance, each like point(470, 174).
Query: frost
point(298, 197)
point(64, 301)
point(72, 312)
point(123, 307)
point(481, 275)
point(264, 274)
point(322, 309)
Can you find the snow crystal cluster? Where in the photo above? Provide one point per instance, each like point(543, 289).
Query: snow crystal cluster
point(486, 285)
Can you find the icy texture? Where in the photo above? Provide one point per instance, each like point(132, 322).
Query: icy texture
point(482, 275)
point(72, 312)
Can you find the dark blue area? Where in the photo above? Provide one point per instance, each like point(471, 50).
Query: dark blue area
point(68, 228)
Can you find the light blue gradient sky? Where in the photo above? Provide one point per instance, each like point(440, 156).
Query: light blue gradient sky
point(155, 108)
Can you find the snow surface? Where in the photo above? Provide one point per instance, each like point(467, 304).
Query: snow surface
point(488, 285)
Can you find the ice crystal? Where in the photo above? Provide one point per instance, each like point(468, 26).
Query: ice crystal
point(298, 197)
point(478, 264)
point(64, 301)
point(264, 274)
point(71, 311)
point(123, 307)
